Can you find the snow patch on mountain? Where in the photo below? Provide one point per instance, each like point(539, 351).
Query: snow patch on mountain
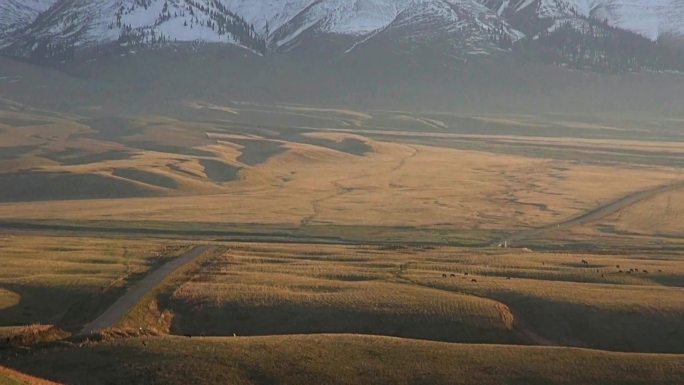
point(28, 25)
point(18, 14)
point(649, 18)
point(267, 15)
point(86, 23)
point(420, 20)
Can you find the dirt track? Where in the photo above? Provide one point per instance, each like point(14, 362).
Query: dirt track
point(136, 292)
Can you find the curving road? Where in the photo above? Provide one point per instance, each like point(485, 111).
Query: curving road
point(594, 214)
point(137, 292)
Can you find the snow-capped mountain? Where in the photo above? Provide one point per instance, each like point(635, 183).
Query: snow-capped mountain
point(59, 28)
point(461, 22)
point(17, 14)
point(649, 18)
point(266, 15)
point(73, 24)
point(342, 17)
point(251, 23)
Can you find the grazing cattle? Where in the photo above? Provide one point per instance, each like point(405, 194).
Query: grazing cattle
point(188, 336)
point(473, 280)
point(660, 271)
point(466, 274)
point(444, 275)
point(620, 271)
point(646, 271)
point(585, 262)
point(453, 275)
point(617, 267)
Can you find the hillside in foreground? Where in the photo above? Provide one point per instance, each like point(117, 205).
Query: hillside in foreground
point(342, 360)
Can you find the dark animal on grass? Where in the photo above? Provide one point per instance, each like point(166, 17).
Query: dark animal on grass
point(453, 275)
point(444, 275)
point(584, 262)
point(465, 274)
point(473, 280)
point(617, 267)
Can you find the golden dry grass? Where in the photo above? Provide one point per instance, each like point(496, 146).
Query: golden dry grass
point(661, 215)
point(80, 261)
point(416, 185)
point(11, 331)
point(563, 301)
point(270, 289)
point(65, 280)
point(396, 185)
point(8, 299)
point(343, 360)
point(26, 336)
point(653, 223)
point(486, 296)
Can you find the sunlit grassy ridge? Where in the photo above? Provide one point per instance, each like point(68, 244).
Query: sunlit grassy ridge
point(344, 360)
point(444, 294)
point(67, 280)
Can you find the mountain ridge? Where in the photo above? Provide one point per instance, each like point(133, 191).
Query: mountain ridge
point(580, 33)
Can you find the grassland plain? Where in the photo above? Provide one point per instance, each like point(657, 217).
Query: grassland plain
point(658, 216)
point(647, 225)
point(491, 296)
point(292, 173)
point(343, 360)
point(436, 293)
point(67, 280)
point(242, 164)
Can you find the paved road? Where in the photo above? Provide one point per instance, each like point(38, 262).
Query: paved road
point(137, 292)
point(594, 214)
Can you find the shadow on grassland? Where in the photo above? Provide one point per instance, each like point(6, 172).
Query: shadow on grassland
point(45, 186)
